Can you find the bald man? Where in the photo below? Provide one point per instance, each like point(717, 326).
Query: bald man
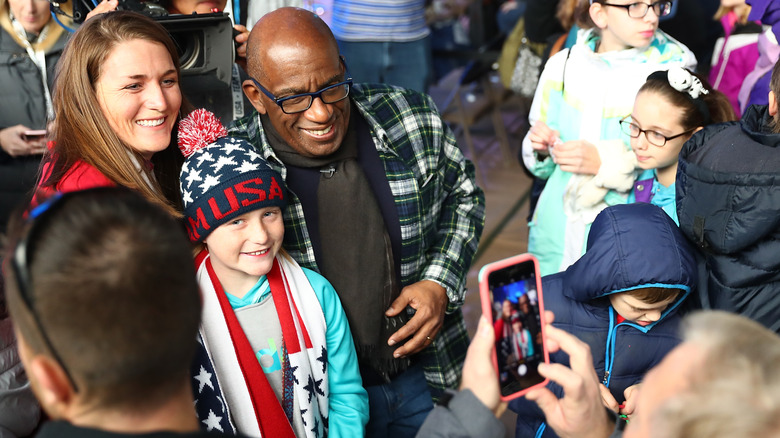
point(382, 203)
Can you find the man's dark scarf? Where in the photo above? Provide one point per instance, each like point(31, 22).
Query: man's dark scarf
point(351, 243)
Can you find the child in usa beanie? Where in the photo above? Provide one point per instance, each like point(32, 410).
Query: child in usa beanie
point(275, 343)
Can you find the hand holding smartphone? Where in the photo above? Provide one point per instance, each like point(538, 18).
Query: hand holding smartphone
point(511, 295)
point(34, 135)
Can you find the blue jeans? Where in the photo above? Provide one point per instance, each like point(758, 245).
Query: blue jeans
point(406, 64)
point(443, 40)
point(398, 409)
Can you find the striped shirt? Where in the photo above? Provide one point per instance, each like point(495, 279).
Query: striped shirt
point(379, 20)
point(440, 208)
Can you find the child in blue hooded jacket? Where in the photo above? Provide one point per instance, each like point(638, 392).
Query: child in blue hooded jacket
point(622, 298)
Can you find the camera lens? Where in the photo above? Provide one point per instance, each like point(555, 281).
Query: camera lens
point(189, 45)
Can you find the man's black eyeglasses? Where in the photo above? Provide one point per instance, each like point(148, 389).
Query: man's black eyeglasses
point(639, 9)
point(298, 103)
point(21, 261)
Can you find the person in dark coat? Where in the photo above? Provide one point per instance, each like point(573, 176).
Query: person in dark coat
point(621, 298)
point(30, 46)
point(727, 203)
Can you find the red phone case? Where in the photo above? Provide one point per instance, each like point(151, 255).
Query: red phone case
point(487, 308)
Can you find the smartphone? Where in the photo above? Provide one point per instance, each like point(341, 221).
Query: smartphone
point(511, 295)
point(34, 134)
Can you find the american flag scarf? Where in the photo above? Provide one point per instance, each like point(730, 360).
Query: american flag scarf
point(241, 386)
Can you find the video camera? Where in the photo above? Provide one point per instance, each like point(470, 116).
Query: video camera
point(206, 48)
point(204, 41)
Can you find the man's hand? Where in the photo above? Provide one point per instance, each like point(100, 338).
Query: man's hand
point(580, 413)
point(429, 299)
point(14, 144)
point(241, 42)
point(479, 376)
point(103, 7)
point(577, 156)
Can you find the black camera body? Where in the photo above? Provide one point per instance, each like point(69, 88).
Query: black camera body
point(206, 48)
point(150, 8)
point(204, 41)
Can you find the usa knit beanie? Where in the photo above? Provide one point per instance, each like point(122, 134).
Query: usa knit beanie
point(223, 177)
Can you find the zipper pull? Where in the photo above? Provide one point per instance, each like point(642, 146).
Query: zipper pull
point(606, 376)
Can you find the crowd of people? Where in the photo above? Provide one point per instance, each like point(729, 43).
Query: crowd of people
point(183, 264)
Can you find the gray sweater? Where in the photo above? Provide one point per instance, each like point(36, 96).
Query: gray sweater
point(464, 417)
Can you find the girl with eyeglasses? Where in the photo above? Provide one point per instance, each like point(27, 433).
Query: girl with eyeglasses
point(575, 142)
point(670, 107)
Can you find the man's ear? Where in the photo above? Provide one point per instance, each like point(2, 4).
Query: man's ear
point(599, 15)
point(772, 104)
point(254, 95)
point(53, 388)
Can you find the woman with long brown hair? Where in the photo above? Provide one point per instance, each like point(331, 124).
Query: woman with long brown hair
point(116, 103)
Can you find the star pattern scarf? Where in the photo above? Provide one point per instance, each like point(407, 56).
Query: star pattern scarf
point(243, 388)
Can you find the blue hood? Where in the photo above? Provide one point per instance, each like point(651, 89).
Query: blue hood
point(631, 246)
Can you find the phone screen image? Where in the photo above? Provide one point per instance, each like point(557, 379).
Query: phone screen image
point(517, 322)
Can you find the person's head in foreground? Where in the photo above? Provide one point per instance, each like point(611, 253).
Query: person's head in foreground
point(722, 381)
point(102, 291)
point(292, 54)
point(116, 103)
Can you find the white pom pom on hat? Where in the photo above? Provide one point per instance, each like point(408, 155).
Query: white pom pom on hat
point(199, 129)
